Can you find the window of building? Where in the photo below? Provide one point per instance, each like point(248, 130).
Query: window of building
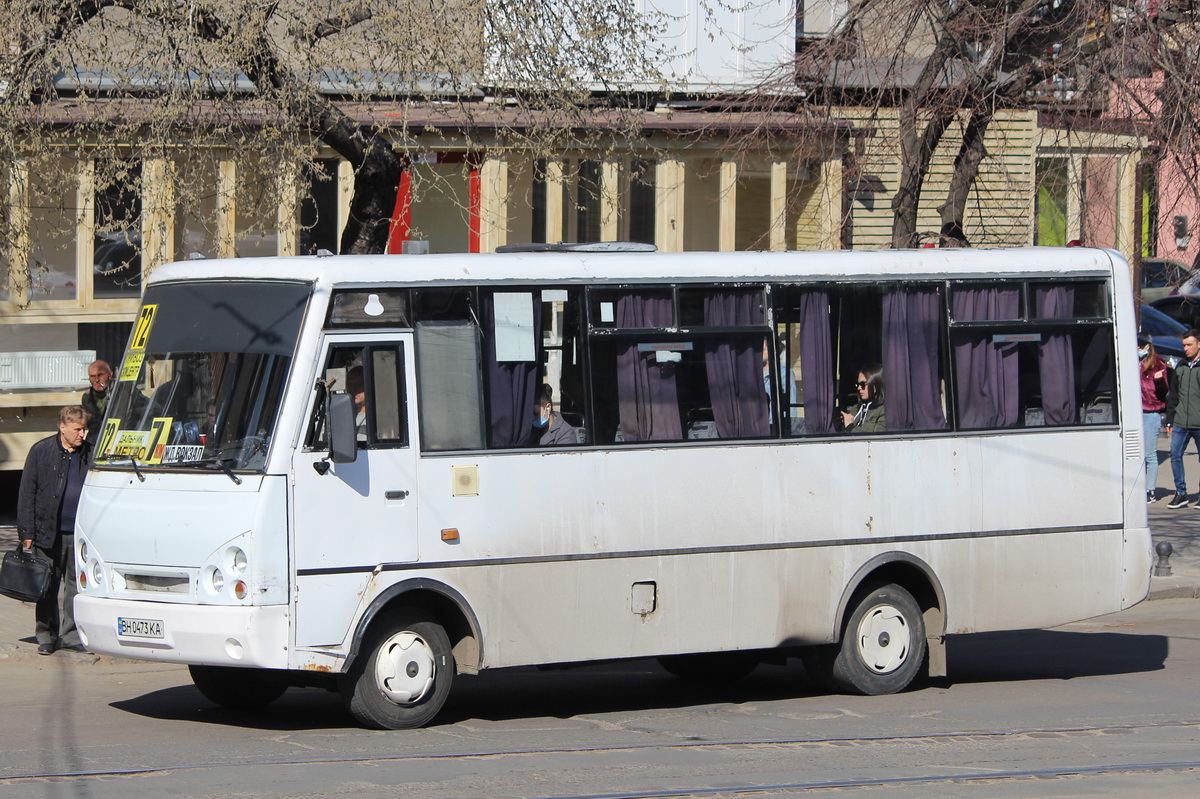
point(117, 253)
point(319, 208)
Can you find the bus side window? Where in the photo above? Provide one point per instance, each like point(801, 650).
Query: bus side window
point(374, 377)
point(1030, 369)
point(386, 397)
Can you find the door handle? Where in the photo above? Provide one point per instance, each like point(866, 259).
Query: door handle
point(395, 494)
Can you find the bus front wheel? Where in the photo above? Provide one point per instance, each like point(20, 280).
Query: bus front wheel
point(882, 646)
point(403, 677)
point(237, 689)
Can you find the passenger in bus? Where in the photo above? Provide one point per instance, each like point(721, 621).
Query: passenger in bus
point(867, 416)
point(552, 429)
point(356, 387)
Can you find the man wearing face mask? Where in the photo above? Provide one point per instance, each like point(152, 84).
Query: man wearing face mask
point(95, 399)
point(552, 428)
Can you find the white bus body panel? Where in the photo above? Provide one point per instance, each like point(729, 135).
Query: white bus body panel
point(196, 634)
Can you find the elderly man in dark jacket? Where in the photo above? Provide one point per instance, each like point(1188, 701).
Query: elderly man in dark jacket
point(95, 399)
point(50, 489)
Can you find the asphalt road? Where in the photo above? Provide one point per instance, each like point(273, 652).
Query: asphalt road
point(1106, 707)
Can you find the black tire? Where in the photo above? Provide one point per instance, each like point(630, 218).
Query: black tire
point(712, 667)
point(882, 647)
point(402, 676)
point(238, 689)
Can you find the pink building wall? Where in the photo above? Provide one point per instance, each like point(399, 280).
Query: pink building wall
point(1176, 184)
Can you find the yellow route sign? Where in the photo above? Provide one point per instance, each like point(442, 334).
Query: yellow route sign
point(142, 331)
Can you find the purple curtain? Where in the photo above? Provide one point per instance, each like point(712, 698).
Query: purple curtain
point(740, 408)
point(647, 400)
point(1056, 361)
point(512, 387)
point(985, 372)
point(816, 363)
point(910, 360)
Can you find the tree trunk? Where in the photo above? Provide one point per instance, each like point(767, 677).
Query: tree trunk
point(376, 166)
point(971, 153)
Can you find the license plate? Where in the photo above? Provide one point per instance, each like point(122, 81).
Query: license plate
point(139, 628)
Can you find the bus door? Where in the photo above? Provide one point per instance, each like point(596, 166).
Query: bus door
point(349, 518)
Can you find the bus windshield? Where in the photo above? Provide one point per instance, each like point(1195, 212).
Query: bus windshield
point(203, 376)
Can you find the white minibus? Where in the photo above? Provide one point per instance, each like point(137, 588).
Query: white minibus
point(372, 473)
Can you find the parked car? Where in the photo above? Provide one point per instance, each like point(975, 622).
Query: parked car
point(1161, 276)
point(1184, 308)
point(1165, 332)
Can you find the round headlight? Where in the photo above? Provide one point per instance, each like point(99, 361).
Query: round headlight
point(97, 573)
point(83, 551)
point(218, 580)
point(239, 561)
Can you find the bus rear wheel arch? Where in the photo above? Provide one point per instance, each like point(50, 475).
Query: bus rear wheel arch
point(882, 648)
point(403, 674)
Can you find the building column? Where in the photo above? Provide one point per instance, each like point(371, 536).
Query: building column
point(1126, 210)
point(727, 207)
point(85, 233)
point(287, 218)
point(829, 208)
point(1075, 197)
point(778, 234)
point(345, 192)
point(610, 199)
point(493, 222)
point(227, 208)
point(555, 179)
point(400, 229)
point(158, 218)
point(19, 244)
point(668, 202)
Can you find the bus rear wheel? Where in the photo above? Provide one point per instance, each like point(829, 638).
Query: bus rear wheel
point(237, 689)
point(403, 676)
point(882, 647)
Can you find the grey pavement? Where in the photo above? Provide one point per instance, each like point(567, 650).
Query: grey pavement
point(1181, 528)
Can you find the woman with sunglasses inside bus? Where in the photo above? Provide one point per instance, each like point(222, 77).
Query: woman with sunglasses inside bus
point(867, 416)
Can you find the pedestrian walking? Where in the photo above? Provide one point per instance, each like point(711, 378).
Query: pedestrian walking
point(1155, 374)
point(46, 504)
point(1183, 412)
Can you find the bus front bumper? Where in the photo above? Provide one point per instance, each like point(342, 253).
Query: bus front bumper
point(210, 635)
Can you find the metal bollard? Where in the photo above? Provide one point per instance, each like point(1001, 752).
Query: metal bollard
point(1163, 567)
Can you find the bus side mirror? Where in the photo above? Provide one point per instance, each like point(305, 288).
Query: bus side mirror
point(343, 439)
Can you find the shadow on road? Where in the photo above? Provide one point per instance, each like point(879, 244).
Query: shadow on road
point(1051, 655)
point(626, 686)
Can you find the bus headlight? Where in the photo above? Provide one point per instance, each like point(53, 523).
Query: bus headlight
point(83, 551)
point(97, 573)
point(237, 561)
point(216, 580)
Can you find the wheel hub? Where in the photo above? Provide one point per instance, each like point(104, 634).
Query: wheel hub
point(404, 670)
point(884, 639)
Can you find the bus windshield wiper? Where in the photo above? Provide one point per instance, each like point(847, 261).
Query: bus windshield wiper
point(220, 463)
point(141, 477)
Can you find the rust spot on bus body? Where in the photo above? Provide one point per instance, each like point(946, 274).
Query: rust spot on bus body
point(315, 667)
